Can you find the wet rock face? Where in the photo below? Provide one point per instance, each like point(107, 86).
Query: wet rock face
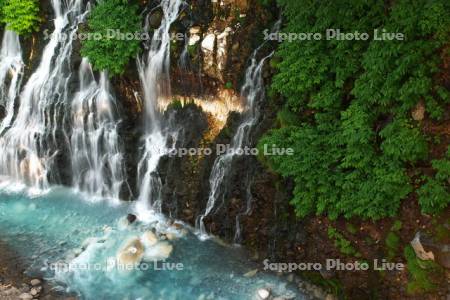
point(179, 174)
point(2, 112)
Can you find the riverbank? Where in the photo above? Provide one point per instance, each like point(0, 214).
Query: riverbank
point(15, 284)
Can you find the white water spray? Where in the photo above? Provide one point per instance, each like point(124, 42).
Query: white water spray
point(155, 81)
point(11, 70)
point(97, 162)
point(29, 146)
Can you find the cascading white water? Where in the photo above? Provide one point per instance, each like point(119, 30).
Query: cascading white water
point(253, 92)
point(30, 144)
point(97, 162)
point(154, 75)
point(11, 68)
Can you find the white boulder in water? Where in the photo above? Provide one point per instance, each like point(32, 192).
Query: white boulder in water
point(263, 294)
point(149, 239)
point(132, 253)
point(160, 251)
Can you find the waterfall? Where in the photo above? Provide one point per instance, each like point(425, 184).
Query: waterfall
point(97, 162)
point(253, 92)
point(11, 68)
point(155, 80)
point(29, 147)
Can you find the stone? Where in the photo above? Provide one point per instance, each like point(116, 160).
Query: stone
point(25, 296)
point(263, 294)
point(170, 236)
point(195, 30)
point(160, 251)
point(34, 291)
point(35, 282)
point(155, 19)
point(25, 288)
point(177, 226)
point(131, 218)
point(330, 297)
point(193, 39)
point(209, 42)
point(131, 253)
point(418, 112)
point(149, 239)
point(12, 291)
point(419, 250)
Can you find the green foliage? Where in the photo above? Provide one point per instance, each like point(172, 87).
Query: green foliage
point(392, 244)
point(403, 141)
point(434, 195)
point(397, 225)
point(109, 53)
point(266, 3)
point(340, 242)
point(351, 228)
point(423, 274)
point(229, 85)
point(175, 104)
point(285, 117)
point(21, 16)
point(347, 111)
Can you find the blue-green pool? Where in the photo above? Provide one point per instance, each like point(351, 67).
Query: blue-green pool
point(84, 235)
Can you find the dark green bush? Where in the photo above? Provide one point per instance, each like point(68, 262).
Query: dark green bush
point(353, 136)
point(434, 195)
point(108, 53)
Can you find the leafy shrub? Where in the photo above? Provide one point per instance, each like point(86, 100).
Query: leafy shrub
point(434, 195)
point(392, 244)
point(340, 242)
point(397, 225)
point(108, 53)
point(21, 16)
point(353, 137)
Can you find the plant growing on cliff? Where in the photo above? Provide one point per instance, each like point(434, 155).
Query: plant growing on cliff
point(434, 195)
point(423, 275)
point(107, 52)
point(353, 136)
point(21, 16)
point(341, 243)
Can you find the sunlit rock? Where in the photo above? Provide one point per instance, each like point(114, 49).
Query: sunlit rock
point(35, 282)
point(263, 294)
point(149, 239)
point(160, 251)
point(209, 42)
point(131, 253)
point(194, 35)
point(418, 112)
point(223, 44)
point(419, 250)
point(170, 236)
